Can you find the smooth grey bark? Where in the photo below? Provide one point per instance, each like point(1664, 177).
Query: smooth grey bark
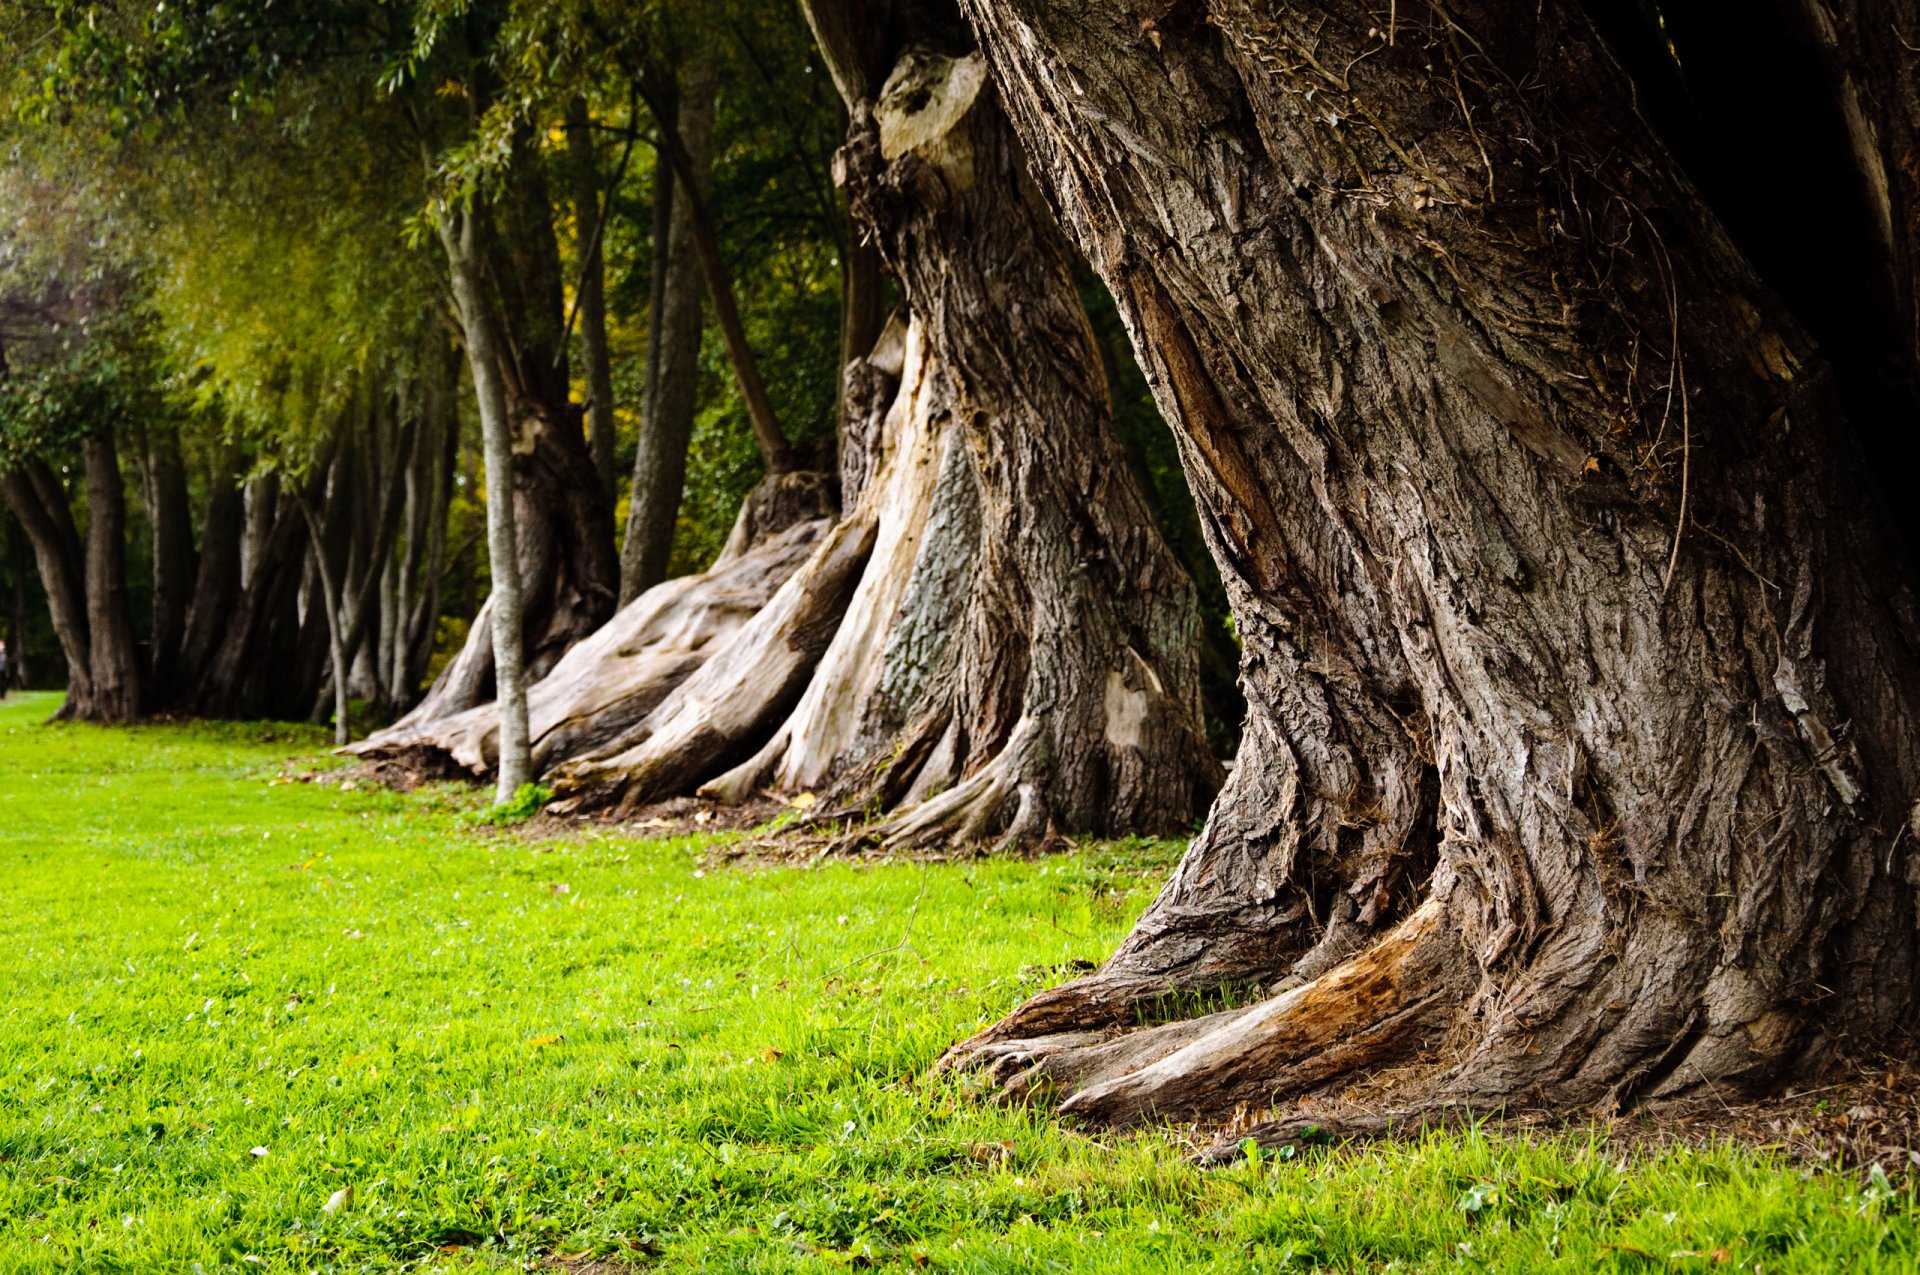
point(459, 236)
point(673, 350)
point(1580, 666)
point(589, 210)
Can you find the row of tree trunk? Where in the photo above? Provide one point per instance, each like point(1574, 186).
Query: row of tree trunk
point(286, 582)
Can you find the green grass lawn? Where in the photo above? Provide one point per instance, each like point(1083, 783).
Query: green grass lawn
point(223, 999)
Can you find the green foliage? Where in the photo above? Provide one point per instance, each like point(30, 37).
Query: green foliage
point(527, 801)
point(603, 1047)
point(46, 410)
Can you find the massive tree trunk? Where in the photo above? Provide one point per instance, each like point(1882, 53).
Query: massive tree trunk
point(1580, 667)
point(673, 347)
point(995, 643)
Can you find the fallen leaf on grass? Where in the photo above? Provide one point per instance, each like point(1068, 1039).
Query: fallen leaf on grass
point(339, 1202)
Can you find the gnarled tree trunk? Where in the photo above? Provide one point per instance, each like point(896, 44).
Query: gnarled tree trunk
point(995, 643)
point(1580, 665)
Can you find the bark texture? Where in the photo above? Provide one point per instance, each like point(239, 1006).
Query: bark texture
point(1568, 621)
point(995, 643)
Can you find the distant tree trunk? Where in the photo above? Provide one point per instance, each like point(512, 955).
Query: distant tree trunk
point(590, 208)
point(36, 499)
point(257, 668)
point(336, 637)
point(1581, 673)
point(262, 496)
point(18, 565)
point(862, 315)
point(217, 585)
point(775, 454)
point(994, 645)
point(114, 669)
point(673, 349)
point(171, 519)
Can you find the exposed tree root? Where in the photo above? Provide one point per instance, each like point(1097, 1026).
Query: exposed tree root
point(1013, 649)
point(1380, 1006)
point(611, 681)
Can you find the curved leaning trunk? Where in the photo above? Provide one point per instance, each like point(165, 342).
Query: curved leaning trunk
point(1581, 671)
point(995, 644)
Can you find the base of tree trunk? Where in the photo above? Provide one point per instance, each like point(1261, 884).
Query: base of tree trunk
point(615, 678)
point(995, 646)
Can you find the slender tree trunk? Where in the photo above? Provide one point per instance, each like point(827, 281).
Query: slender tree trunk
point(590, 209)
point(114, 653)
point(458, 234)
point(673, 368)
point(336, 643)
point(1582, 689)
point(775, 454)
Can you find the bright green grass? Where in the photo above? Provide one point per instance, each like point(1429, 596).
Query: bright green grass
point(514, 1051)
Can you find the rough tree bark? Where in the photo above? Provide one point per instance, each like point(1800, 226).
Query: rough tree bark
point(1581, 679)
point(673, 346)
point(994, 644)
